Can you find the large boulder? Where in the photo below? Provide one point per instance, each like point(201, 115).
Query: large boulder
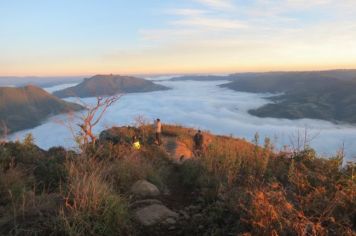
point(117, 135)
point(143, 188)
point(154, 214)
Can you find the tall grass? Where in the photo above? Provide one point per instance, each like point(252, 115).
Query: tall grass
point(91, 206)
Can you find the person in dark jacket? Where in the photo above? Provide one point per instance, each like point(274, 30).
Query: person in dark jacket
point(198, 141)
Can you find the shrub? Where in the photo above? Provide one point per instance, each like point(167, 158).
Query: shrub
point(191, 173)
point(50, 173)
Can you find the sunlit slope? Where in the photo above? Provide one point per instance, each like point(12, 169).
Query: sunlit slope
point(26, 107)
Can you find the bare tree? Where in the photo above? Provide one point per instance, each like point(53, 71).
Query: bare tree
point(302, 139)
point(93, 115)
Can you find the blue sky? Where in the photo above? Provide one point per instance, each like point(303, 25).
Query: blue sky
point(77, 37)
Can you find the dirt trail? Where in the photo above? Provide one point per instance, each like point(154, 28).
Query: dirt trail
point(178, 197)
point(170, 145)
point(177, 150)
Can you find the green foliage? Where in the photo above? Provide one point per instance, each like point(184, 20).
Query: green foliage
point(110, 218)
point(191, 174)
point(50, 173)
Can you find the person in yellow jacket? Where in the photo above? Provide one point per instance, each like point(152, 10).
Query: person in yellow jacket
point(136, 143)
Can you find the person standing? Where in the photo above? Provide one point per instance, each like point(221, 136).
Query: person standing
point(198, 143)
point(136, 142)
point(158, 130)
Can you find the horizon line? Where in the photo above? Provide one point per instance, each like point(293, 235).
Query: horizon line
point(175, 74)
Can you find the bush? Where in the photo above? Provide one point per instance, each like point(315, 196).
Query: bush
point(50, 173)
point(191, 171)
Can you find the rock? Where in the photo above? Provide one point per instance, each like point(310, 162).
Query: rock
point(193, 208)
point(172, 228)
point(110, 136)
point(144, 188)
point(184, 214)
point(166, 192)
point(153, 214)
point(146, 202)
point(198, 217)
point(170, 221)
point(200, 200)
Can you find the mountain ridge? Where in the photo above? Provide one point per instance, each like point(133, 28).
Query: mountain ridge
point(27, 107)
point(303, 96)
point(108, 85)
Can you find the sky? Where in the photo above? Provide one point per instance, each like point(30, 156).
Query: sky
point(84, 37)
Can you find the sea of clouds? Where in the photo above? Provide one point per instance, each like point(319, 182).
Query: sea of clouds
point(202, 105)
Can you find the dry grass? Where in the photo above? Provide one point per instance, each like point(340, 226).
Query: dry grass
point(91, 206)
point(261, 192)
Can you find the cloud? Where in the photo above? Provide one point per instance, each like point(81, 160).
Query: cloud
point(307, 3)
point(217, 4)
point(186, 12)
point(166, 34)
point(212, 23)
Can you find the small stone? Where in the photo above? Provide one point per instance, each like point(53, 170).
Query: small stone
point(172, 228)
point(200, 200)
point(194, 208)
point(166, 192)
point(184, 214)
point(198, 217)
point(171, 221)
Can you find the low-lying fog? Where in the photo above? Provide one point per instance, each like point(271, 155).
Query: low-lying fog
point(206, 106)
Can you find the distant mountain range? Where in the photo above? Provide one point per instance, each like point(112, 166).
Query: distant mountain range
point(326, 95)
point(336, 74)
point(107, 85)
point(201, 78)
point(27, 107)
point(37, 81)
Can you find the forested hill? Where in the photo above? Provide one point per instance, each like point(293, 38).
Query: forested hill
point(26, 107)
point(319, 95)
point(107, 85)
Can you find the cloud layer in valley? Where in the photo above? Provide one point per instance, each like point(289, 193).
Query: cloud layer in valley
point(204, 105)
